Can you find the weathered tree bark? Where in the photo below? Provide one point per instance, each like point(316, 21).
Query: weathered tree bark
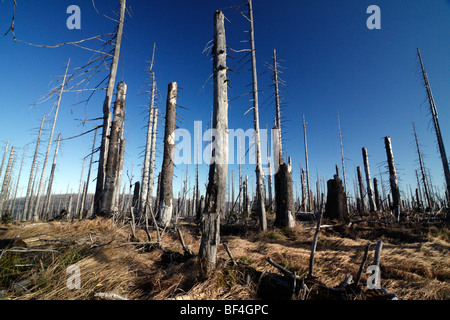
point(336, 206)
point(259, 170)
point(44, 166)
point(26, 212)
point(370, 196)
point(89, 172)
point(107, 114)
point(218, 169)
point(361, 189)
point(165, 209)
point(285, 211)
point(45, 213)
point(277, 103)
point(110, 205)
point(152, 162)
point(377, 194)
point(437, 128)
point(396, 199)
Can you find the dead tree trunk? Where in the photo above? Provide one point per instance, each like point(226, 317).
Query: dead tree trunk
point(217, 179)
point(45, 213)
point(308, 202)
point(422, 170)
point(336, 206)
point(165, 209)
point(107, 114)
point(377, 194)
point(19, 216)
point(110, 204)
point(437, 128)
point(4, 157)
point(26, 214)
point(396, 199)
point(342, 157)
point(370, 196)
point(285, 212)
point(259, 170)
point(361, 189)
point(6, 181)
point(89, 171)
point(148, 145)
point(44, 166)
point(80, 190)
point(152, 161)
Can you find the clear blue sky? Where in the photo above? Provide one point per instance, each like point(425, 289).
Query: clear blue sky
point(333, 62)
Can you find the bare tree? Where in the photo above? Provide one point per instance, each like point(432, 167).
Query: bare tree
point(165, 209)
point(217, 180)
point(107, 114)
point(45, 213)
point(396, 199)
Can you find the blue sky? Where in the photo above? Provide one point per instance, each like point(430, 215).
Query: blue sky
point(333, 62)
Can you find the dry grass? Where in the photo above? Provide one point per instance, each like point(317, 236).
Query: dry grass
point(415, 261)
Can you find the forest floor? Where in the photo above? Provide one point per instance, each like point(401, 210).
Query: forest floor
point(415, 260)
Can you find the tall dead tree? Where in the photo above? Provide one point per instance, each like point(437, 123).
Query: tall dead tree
point(261, 210)
point(107, 113)
point(437, 128)
point(148, 145)
point(45, 213)
point(50, 140)
point(422, 170)
point(218, 169)
point(152, 160)
point(110, 200)
point(308, 202)
point(370, 195)
point(342, 158)
point(393, 181)
point(18, 216)
point(165, 209)
point(26, 212)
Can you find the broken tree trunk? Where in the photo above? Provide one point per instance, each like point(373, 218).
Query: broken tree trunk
point(110, 205)
point(370, 195)
point(336, 206)
point(217, 179)
point(396, 199)
point(285, 211)
point(261, 210)
point(361, 189)
point(165, 209)
point(107, 114)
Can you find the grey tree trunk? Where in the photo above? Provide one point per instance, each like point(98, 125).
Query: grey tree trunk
point(217, 180)
point(107, 114)
point(342, 158)
point(393, 181)
point(370, 195)
point(165, 210)
point(422, 170)
point(259, 170)
point(80, 190)
point(45, 213)
point(44, 166)
point(437, 128)
point(6, 181)
point(148, 146)
point(26, 212)
point(285, 212)
point(19, 216)
point(308, 203)
point(110, 205)
point(361, 189)
point(4, 157)
point(89, 172)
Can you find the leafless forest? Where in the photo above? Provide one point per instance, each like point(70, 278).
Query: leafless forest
point(145, 242)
